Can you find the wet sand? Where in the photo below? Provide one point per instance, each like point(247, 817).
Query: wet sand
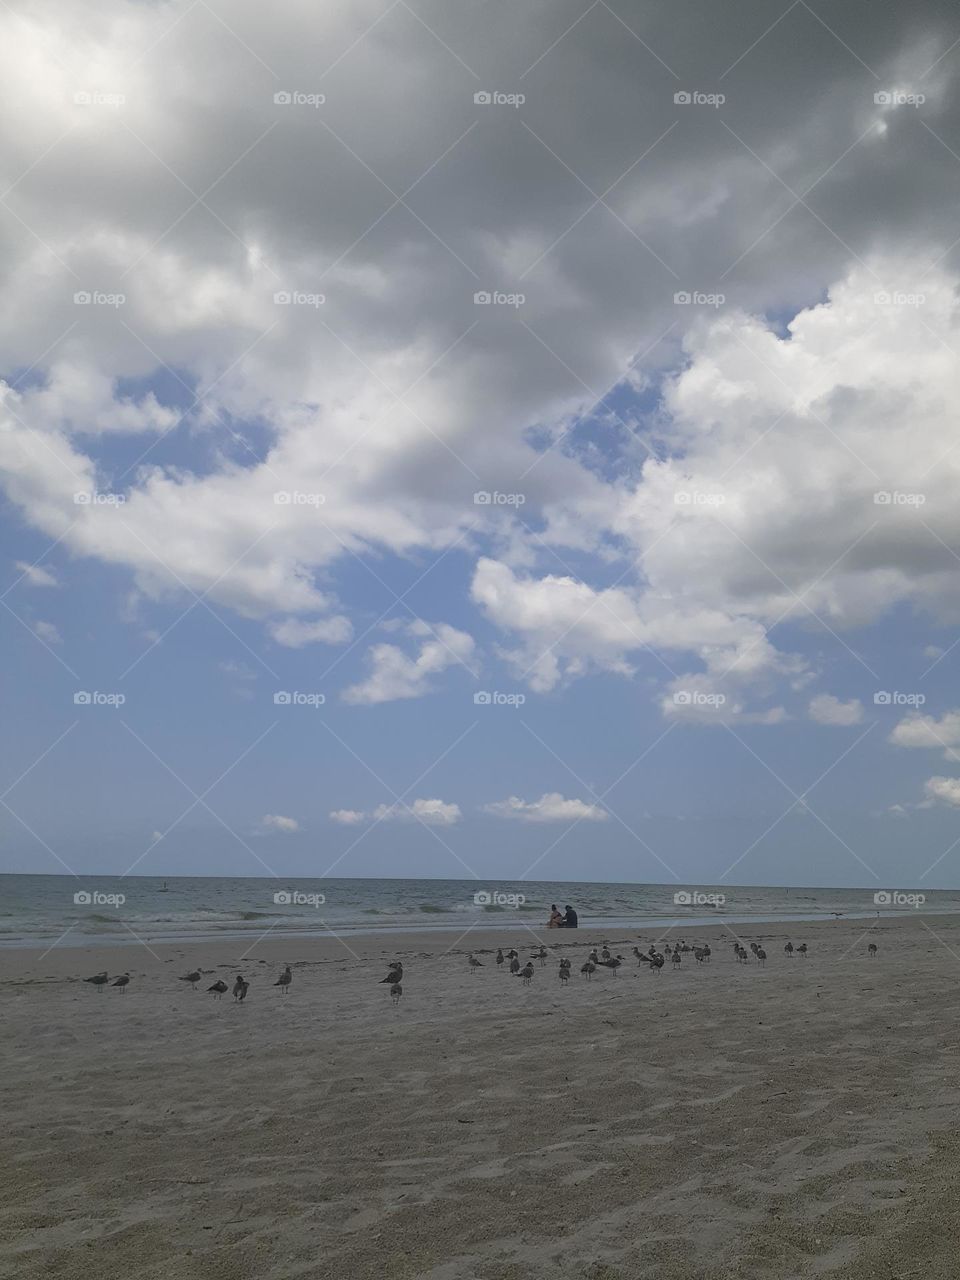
point(796, 1120)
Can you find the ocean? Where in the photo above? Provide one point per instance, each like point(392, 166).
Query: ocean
point(41, 910)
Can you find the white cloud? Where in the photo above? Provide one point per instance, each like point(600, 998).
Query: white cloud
point(295, 633)
point(48, 632)
point(395, 675)
point(36, 575)
point(347, 817)
point(943, 790)
point(277, 822)
point(826, 709)
point(551, 807)
point(918, 730)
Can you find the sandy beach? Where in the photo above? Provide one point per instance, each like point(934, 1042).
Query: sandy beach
point(796, 1120)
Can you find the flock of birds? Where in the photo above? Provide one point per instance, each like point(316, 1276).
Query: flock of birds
point(597, 959)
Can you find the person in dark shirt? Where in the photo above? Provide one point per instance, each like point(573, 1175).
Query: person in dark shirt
point(570, 919)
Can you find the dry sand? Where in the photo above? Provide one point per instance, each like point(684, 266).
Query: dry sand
point(727, 1121)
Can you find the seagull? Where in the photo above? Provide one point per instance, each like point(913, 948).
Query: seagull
point(593, 957)
point(605, 953)
point(657, 964)
point(499, 957)
point(283, 982)
point(395, 974)
point(613, 964)
point(396, 991)
point(761, 957)
point(513, 955)
point(788, 950)
point(239, 987)
point(219, 988)
point(193, 978)
point(99, 980)
point(564, 974)
point(803, 949)
point(514, 966)
point(676, 959)
point(698, 955)
point(474, 963)
point(588, 969)
point(122, 982)
point(540, 955)
point(244, 988)
point(526, 973)
point(872, 950)
point(707, 953)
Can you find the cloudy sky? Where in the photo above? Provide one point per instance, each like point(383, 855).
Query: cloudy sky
point(482, 439)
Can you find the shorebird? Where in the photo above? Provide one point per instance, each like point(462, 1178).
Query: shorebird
point(788, 950)
point(588, 969)
point(499, 957)
point(395, 974)
point(99, 980)
point(514, 965)
point(219, 989)
point(193, 978)
point(707, 953)
point(474, 963)
point(761, 957)
point(283, 982)
point(676, 957)
point(242, 994)
point(872, 950)
point(640, 956)
point(605, 953)
point(803, 949)
point(698, 955)
point(540, 955)
point(754, 947)
point(613, 964)
point(239, 988)
point(122, 982)
point(396, 991)
point(526, 973)
point(657, 963)
point(513, 955)
point(564, 975)
point(593, 956)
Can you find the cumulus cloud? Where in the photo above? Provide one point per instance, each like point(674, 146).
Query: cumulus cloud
point(347, 817)
point(395, 674)
point(277, 822)
point(551, 807)
point(943, 791)
point(824, 708)
point(37, 575)
point(918, 730)
point(296, 633)
point(47, 632)
point(435, 813)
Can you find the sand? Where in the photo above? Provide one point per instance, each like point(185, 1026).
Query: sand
point(796, 1120)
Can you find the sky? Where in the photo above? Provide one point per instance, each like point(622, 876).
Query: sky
point(481, 440)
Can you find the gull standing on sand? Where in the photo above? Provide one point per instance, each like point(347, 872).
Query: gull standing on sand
point(588, 969)
point(193, 978)
point(283, 982)
point(238, 987)
point(122, 982)
point(788, 950)
point(499, 957)
point(474, 963)
point(219, 989)
point(99, 980)
point(396, 991)
point(541, 955)
point(526, 973)
point(395, 974)
point(872, 950)
point(514, 966)
point(803, 949)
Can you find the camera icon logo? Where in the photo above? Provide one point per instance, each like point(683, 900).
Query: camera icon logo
point(682, 698)
point(483, 98)
point(81, 698)
point(82, 898)
point(482, 698)
point(883, 498)
point(282, 99)
point(882, 299)
point(82, 98)
point(881, 698)
point(282, 298)
point(883, 99)
point(482, 898)
point(482, 298)
point(883, 898)
point(283, 897)
point(681, 498)
point(682, 99)
point(481, 498)
point(682, 898)
point(282, 498)
point(82, 298)
point(281, 699)
point(681, 298)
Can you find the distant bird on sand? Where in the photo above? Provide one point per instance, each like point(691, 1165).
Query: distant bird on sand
point(99, 980)
point(698, 955)
point(761, 957)
point(613, 964)
point(588, 970)
point(707, 953)
point(593, 957)
point(540, 955)
point(474, 963)
point(283, 982)
point(526, 973)
point(395, 974)
point(513, 955)
point(676, 957)
point(657, 963)
point(564, 975)
point(396, 991)
point(122, 982)
point(605, 953)
point(193, 978)
point(788, 950)
point(239, 987)
point(872, 950)
point(514, 965)
point(219, 989)
point(499, 957)
point(803, 949)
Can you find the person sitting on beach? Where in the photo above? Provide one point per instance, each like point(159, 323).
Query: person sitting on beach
point(556, 919)
point(570, 920)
